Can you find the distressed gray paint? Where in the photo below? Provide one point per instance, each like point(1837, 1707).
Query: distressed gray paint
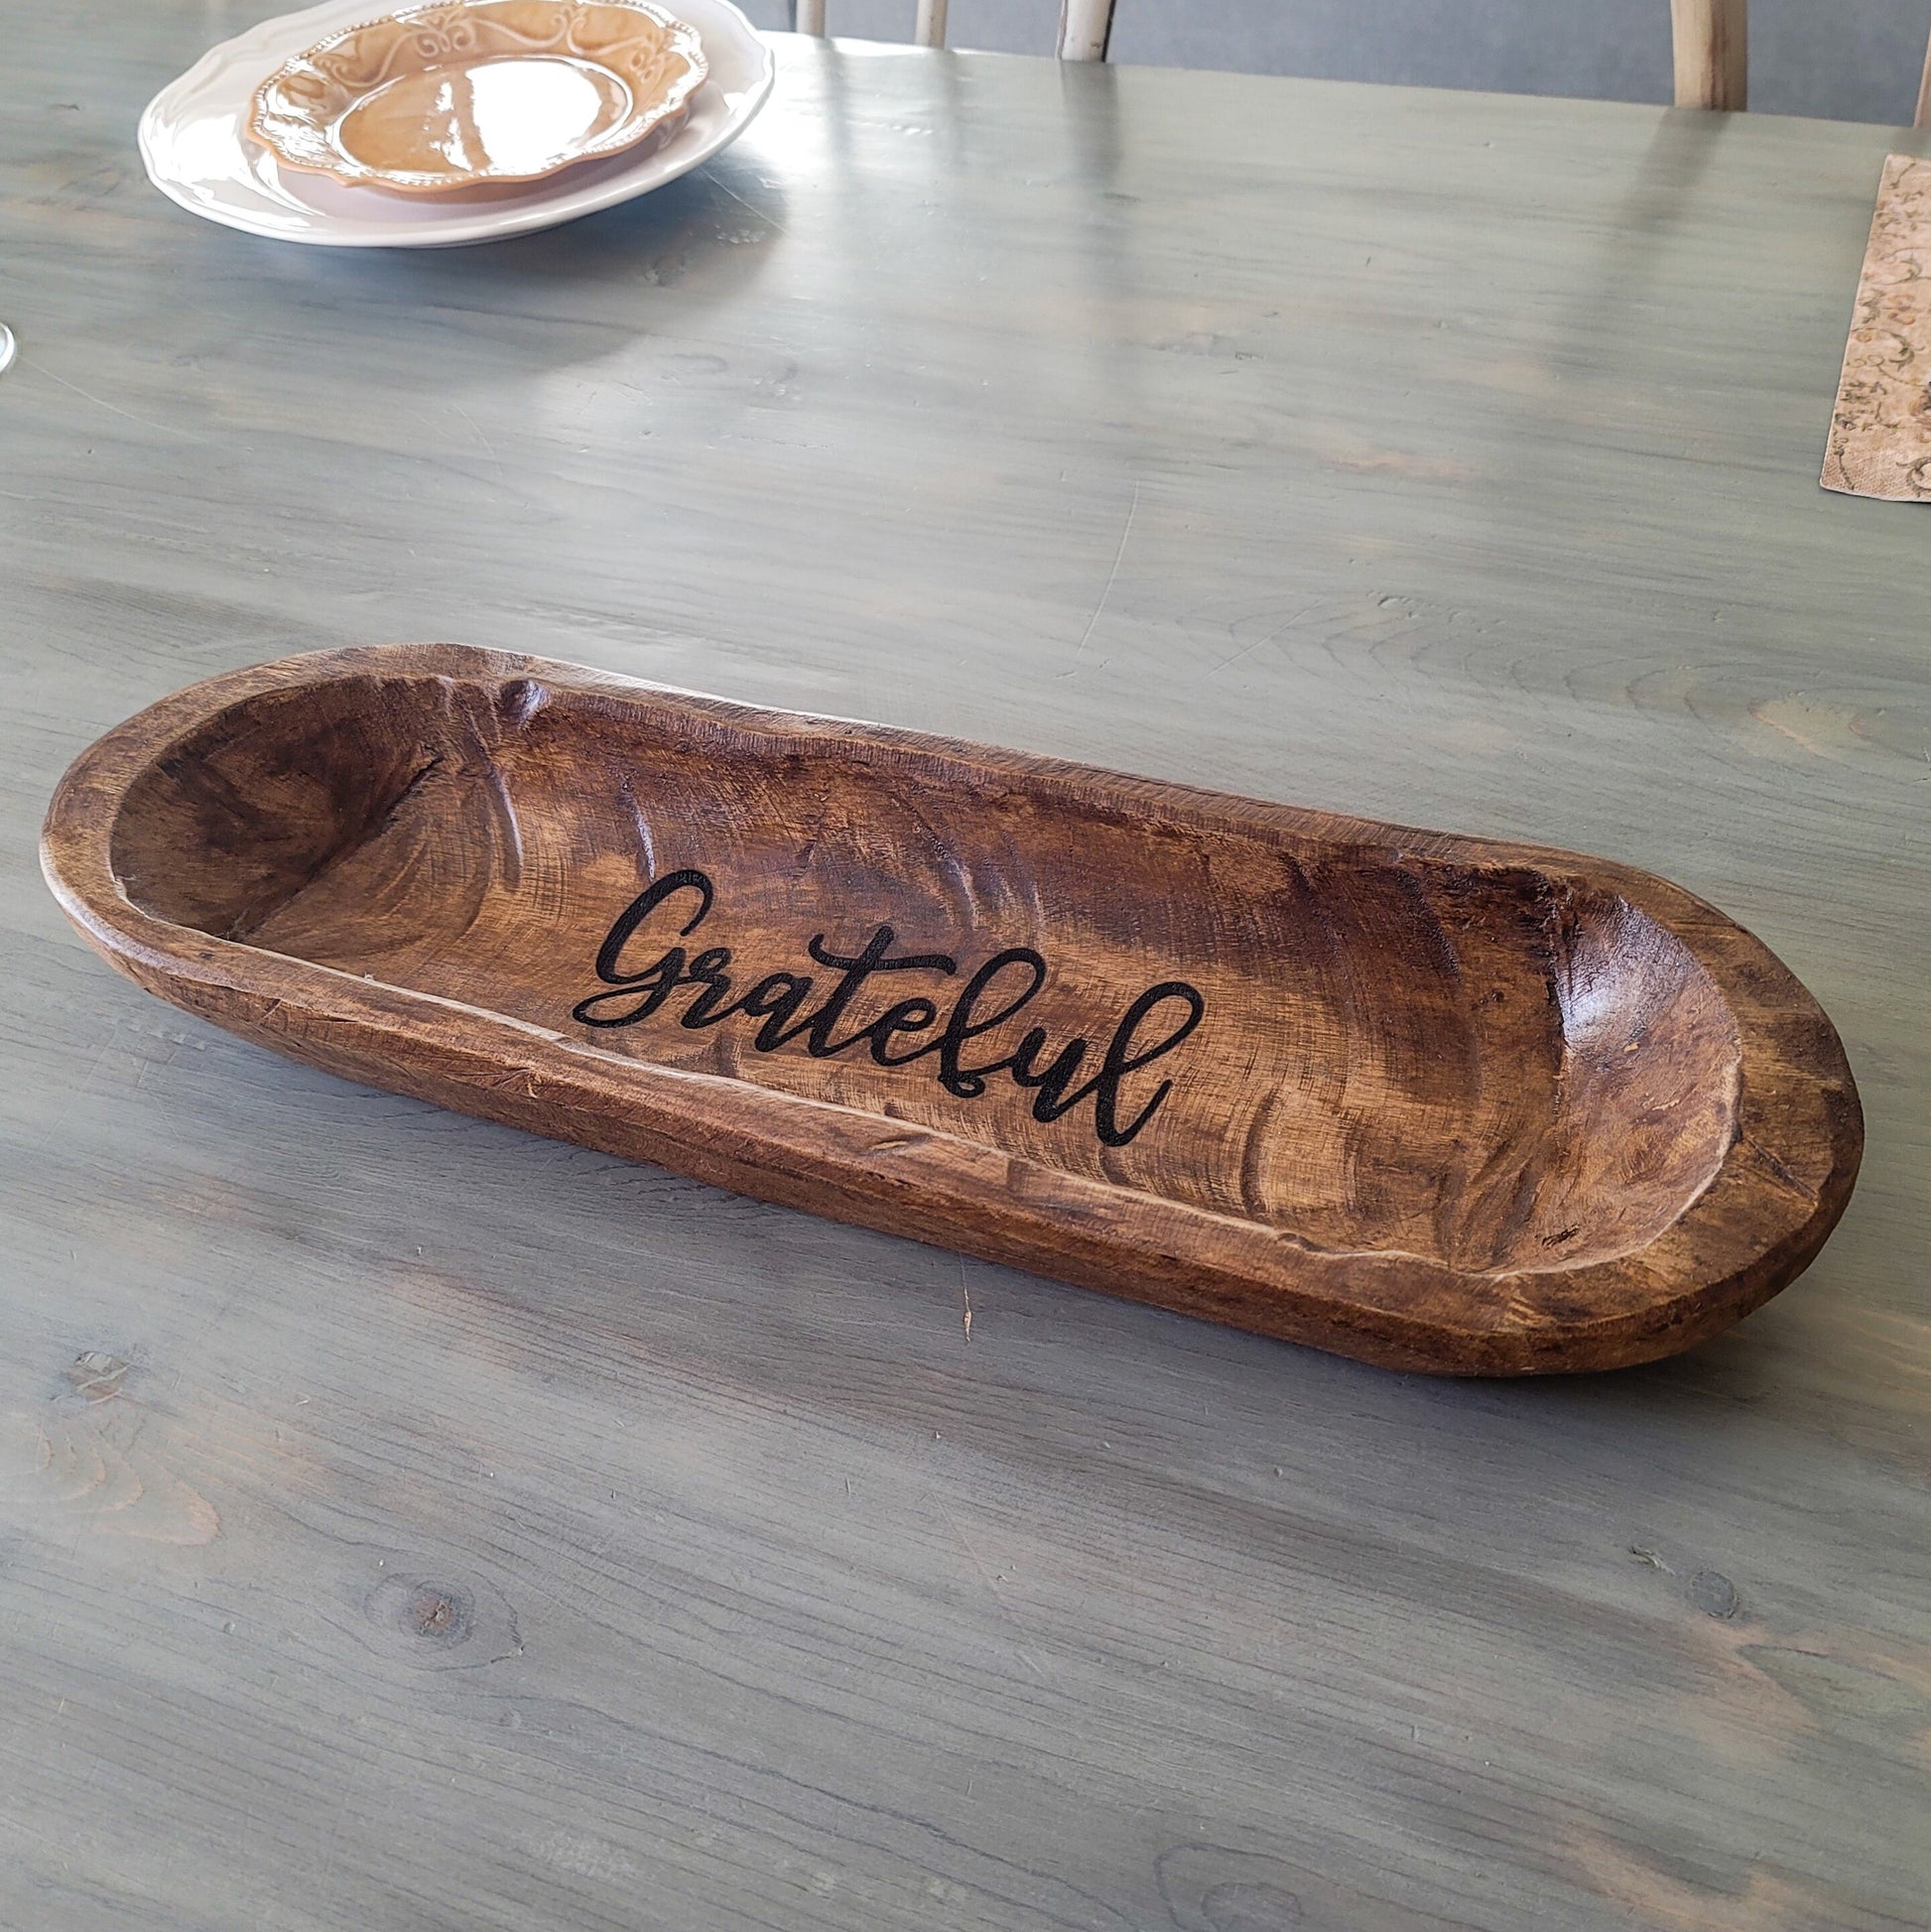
point(405, 1524)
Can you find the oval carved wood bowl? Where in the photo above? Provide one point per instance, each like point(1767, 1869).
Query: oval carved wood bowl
point(1438, 1103)
point(480, 93)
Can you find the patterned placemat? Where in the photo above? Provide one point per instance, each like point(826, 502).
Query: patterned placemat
point(1880, 432)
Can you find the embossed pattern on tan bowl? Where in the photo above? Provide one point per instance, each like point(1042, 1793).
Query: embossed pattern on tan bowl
point(469, 95)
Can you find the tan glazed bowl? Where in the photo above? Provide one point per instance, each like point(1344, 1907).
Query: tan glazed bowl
point(470, 95)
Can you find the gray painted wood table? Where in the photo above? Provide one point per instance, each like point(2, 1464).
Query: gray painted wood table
point(407, 1523)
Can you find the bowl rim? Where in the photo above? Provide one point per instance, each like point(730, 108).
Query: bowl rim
point(1781, 1185)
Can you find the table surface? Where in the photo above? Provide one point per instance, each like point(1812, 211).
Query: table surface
point(409, 1523)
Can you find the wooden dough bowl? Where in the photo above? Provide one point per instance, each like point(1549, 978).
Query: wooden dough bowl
point(1438, 1103)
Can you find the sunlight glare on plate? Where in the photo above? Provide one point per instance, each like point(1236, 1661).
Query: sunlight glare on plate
point(500, 117)
point(530, 113)
point(205, 149)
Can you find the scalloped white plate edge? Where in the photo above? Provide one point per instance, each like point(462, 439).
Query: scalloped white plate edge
point(195, 152)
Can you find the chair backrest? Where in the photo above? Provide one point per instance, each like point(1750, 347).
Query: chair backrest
point(1085, 25)
point(1711, 44)
point(1713, 60)
point(1713, 52)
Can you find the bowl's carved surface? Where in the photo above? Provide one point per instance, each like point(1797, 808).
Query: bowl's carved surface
point(1431, 1102)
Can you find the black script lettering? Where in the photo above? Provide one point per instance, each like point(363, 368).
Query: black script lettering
point(707, 971)
point(1051, 1085)
point(1121, 1060)
point(656, 982)
point(857, 969)
point(908, 1016)
point(964, 1023)
point(779, 1000)
point(774, 1000)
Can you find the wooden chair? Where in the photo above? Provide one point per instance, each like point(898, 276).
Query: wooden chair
point(1713, 52)
point(1710, 45)
point(1713, 57)
point(1085, 25)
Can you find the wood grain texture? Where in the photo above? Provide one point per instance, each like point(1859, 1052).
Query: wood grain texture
point(1423, 456)
point(1711, 44)
point(1442, 1106)
point(1880, 442)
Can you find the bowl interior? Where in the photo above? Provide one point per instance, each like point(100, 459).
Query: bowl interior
point(1496, 1067)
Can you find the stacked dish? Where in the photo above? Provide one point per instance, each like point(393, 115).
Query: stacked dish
point(452, 123)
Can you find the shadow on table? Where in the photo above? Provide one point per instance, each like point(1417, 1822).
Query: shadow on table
point(554, 298)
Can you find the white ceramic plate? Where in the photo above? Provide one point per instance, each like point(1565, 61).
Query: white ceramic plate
point(196, 150)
